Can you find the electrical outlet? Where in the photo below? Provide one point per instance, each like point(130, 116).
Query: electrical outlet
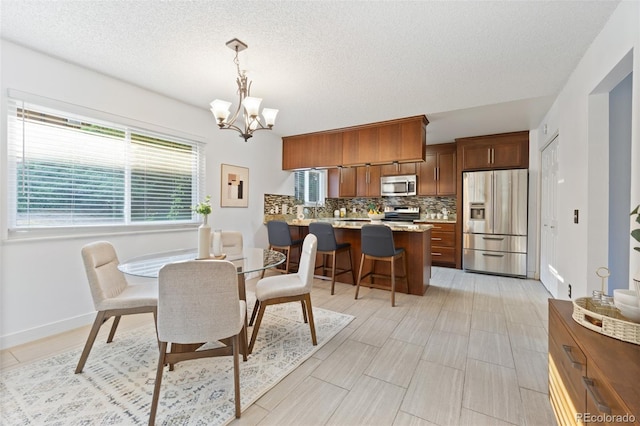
point(569, 291)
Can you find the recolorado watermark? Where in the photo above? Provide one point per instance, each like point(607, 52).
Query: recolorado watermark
point(605, 418)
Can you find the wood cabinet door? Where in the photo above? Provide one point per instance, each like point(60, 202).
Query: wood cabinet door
point(368, 181)
point(341, 182)
point(447, 173)
point(326, 150)
point(508, 155)
point(427, 184)
point(360, 146)
point(476, 156)
point(398, 169)
point(293, 152)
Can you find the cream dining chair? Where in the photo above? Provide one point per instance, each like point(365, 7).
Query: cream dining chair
point(232, 242)
point(288, 288)
point(112, 295)
point(198, 302)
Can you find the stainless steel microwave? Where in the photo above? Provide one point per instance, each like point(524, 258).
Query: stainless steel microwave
point(393, 186)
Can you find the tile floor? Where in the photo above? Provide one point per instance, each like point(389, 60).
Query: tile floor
point(472, 351)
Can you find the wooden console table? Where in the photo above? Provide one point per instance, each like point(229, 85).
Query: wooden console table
point(593, 379)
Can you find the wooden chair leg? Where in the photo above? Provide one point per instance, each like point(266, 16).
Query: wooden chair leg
point(97, 323)
point(288, 254)
point(114, 326)
point(393, 282)
point(264, 270)
point(256, 327)
point(236, 372)
point(333, 272)
point(359, 274)
point(244, 344)
point(304, 312)
point(312, 326)
point(156, 388)
point(353, 272)
point(254, 312)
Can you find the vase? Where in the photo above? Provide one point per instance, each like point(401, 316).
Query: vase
point(204, 239)
point(636, 281)
point(217, 242)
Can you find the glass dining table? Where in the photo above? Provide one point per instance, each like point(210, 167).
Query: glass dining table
point(248, 260)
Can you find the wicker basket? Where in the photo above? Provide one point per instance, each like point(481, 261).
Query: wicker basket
point(605, 320)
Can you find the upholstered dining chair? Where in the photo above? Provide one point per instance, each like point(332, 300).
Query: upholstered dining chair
point(288, 288)
point(328, 246)
point(280, 239)
point(232, 242)
point(112, 295)
point(377, 245)
point(198, 302)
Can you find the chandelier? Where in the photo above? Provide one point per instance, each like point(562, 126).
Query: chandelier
point(249, 121)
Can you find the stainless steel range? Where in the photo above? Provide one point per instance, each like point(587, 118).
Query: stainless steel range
point(401, 214)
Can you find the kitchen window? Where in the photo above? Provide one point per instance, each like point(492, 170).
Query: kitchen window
point(69, 170)
point(311, 187)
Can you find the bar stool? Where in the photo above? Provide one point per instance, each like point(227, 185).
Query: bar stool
point(327, 245)
point(377, 244)
point(280, 239)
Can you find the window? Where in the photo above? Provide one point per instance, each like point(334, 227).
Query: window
point(69, 170)
point(310, 186)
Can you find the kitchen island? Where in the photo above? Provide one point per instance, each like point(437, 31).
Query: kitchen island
point(414, 238)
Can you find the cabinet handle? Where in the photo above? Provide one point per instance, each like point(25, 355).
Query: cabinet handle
point(436, 254)
point(340, 168)
point(593, 393)
point(493, 156)
point(489, 155)
point(436, 239)
point(438, 172)
point(435, 173)
point(569, 354)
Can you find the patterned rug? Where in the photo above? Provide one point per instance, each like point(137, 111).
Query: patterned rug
point(116, 385)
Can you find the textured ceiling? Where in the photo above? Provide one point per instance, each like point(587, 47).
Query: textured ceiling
point(472, 67)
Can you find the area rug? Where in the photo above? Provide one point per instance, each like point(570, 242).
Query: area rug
point(116, 385)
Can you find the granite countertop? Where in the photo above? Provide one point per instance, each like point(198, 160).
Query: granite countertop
point(352, 223)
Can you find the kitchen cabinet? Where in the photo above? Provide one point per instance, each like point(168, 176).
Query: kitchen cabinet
point(312, 150)
point(589, 373)
point(502, 151)
point(437, 175)
point(368, 181)
point(443, 244)
point(341, 182)
point(401, 141)
point(396, 169)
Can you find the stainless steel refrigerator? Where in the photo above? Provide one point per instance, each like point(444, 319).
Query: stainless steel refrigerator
point(495, 222)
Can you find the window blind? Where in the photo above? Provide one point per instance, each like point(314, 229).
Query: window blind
point(67, 169)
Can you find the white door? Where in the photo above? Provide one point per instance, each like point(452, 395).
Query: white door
point(549, 216)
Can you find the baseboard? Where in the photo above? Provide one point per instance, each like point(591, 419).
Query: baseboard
point(47, 330)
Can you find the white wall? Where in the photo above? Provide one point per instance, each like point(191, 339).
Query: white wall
point(578, 116)
point(43, 288)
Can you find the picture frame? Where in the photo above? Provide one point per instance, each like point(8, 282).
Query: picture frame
point(234, 186)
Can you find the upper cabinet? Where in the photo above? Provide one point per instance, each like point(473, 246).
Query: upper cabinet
point(368, 181)
point(398, 169)
point(396, 141)
point(313, 150)
point(341, 182)
point(401, 141)
point(502, 151)
point(437, 175)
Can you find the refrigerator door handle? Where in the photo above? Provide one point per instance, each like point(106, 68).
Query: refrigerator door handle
point(493, 238)
point(492, 255)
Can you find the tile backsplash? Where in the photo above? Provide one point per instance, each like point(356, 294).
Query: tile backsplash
point(273, 204)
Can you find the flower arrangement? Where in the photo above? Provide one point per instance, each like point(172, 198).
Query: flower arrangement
point(373, 209)
point(204, 207)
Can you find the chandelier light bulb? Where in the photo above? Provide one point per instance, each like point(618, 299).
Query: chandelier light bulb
point(269, 115)
point(220, 110)
point(252, 106)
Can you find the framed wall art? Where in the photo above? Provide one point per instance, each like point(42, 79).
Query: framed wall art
point(234, 186)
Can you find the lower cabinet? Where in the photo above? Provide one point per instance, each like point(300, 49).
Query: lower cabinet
point(593, 379)
point(443, 244)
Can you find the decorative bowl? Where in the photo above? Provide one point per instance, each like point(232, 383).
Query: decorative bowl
point(632, 313)
point(628, 297)
point(376, 216)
